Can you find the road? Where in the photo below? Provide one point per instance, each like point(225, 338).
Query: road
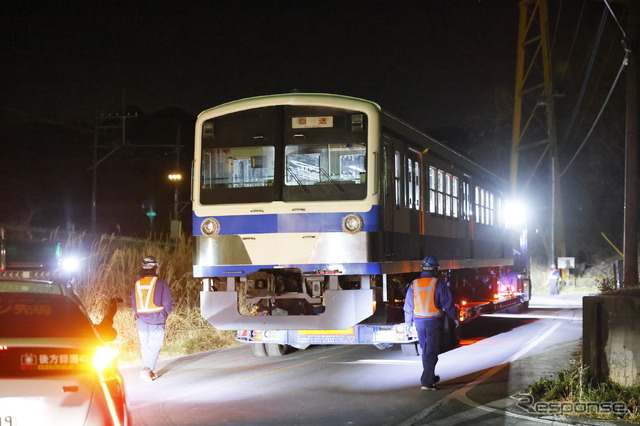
point(361, 385)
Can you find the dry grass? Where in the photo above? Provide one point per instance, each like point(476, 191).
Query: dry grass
point(111, 270)
point(587, 283)
point(574, 385)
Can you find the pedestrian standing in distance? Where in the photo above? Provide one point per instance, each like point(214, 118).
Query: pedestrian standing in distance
point(427, 300)
point(152, 304)
point(554, 280)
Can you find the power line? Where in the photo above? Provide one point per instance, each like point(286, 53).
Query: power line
point(46, 120)
point(606, 2)
point(594, 50)
point(575, 36)
point(615, 82)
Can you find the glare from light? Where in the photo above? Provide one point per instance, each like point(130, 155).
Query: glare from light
point(70, 264)
point(104, 357)
point(516, 214)
point(175, 176)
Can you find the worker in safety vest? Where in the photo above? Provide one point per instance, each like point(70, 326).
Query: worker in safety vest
point(152, 303)
point(426, 301)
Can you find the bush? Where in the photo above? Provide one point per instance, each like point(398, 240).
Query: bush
point(111, 271)
point(575, 385)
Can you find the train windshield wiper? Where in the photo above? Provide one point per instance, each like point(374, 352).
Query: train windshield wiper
point(324, 172)
point(298, 181)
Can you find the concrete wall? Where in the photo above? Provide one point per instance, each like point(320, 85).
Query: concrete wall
point(611, 337)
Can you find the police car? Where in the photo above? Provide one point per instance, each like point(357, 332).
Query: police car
point(55, 367)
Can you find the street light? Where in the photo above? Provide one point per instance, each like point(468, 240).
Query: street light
point(176, 225)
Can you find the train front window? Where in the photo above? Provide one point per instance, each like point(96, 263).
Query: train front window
point(325, 164)
point(237, 167)
point(284, 153)
point(324, 154)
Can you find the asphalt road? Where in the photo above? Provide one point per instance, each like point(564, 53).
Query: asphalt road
point(361, 385)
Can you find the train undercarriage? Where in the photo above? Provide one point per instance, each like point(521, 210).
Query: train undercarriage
point(271, 297)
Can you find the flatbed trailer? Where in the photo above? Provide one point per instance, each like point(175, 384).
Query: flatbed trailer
point(275, 342)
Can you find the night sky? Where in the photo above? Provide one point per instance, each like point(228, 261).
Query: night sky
point(418, 59)
point(446, 66)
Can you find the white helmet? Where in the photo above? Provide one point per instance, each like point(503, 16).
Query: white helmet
point(149, 262)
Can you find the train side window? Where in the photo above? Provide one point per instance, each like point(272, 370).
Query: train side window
point(408, 200)
point(484, 207)
point(454, 197)
point(397, 178)
point(416, 188)
point(444, 193)
point(447, 194)
point(432, 189)
point(440, 199)
point(466, 207)
point(490, 209)
point(478, 204)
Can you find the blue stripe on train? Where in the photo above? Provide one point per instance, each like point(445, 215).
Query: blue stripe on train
point(284, 223)
point(201, 271)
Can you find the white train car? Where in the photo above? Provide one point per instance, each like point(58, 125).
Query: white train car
point(313, 212)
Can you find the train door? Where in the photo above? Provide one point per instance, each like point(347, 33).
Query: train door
point(413, 201)
point(388, 196)
point(466, 211)
point(401, 225)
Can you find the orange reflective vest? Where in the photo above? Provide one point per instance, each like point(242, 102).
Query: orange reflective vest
point(145, 290)
point(424, 298)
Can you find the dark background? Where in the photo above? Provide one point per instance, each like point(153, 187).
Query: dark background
point(446, 66)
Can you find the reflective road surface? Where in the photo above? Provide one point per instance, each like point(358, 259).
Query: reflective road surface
point(361, 385)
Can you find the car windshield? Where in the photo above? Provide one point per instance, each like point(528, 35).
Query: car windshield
point(20, 286)
point(31, 315)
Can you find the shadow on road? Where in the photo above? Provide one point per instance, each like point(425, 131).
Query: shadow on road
point(488, 326)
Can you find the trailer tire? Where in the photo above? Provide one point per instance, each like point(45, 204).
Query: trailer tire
point(276, 349)
point(410, 349)
point(259, 350)
point(450, 335)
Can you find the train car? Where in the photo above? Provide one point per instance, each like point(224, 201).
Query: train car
point(312, 212)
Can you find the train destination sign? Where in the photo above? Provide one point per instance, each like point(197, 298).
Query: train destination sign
point(311, 122)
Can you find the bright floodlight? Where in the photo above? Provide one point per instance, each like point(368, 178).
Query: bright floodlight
point(70, 264)
point(175, 176)
point(516, 214)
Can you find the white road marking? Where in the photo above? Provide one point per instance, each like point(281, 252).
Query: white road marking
point(461, 394)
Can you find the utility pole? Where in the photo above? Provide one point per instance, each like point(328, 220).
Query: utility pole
point(630, 265)
point(176, 178)
point(534, 119)
point(117, 123)
point(102, 123)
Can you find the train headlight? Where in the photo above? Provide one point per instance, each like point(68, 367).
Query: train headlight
point(352, 223)
point(210, 227)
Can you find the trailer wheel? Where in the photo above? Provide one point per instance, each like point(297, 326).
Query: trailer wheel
point(450, 336)
point(410, 349)
point(383, 346)
point(276, 349)
point(259, 349)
